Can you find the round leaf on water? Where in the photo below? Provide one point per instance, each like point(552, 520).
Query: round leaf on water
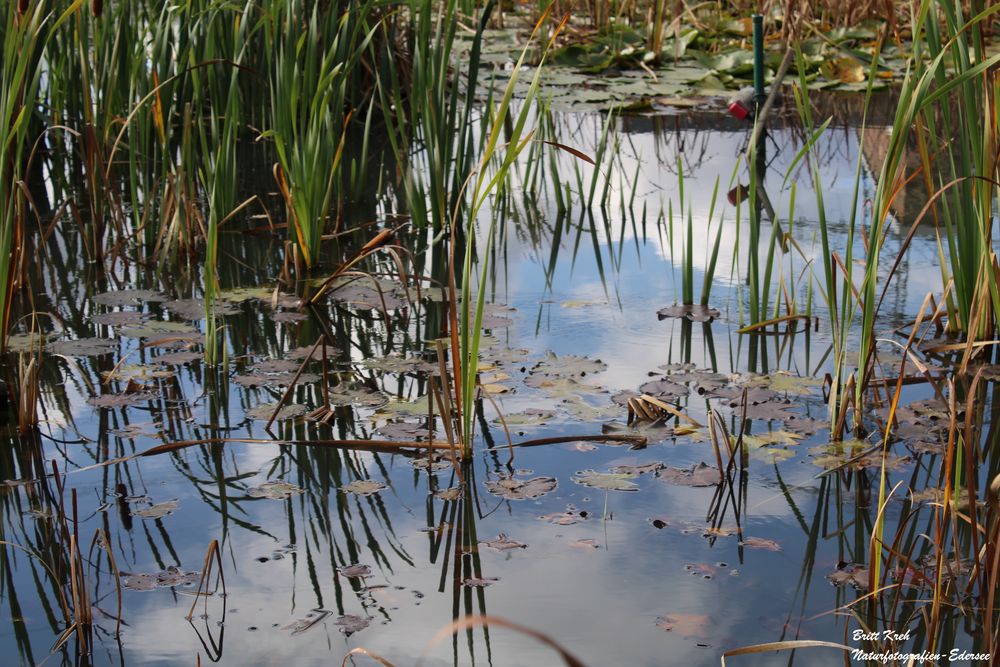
point(355, 571)
point(528, 417)
point(349, 623)
point(120, 318)
point(274, 490)
point(700, 475)
point(502, 543)
point(157, 511)
point(760, 543)
point(606, 481)
point(159, 329)
point(517, 489)
point(120, 400)
point(363, 487)
point(82, 347)
point(129, 297)
point(567, 366)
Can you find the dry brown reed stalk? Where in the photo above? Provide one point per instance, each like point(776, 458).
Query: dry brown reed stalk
point(650, 408)
point(470, 622)
point(298, 374)
point(211, 556)
point(790, 645)
point(378, 241)
point(365, 652)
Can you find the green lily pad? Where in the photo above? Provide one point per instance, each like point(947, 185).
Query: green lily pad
point(606, 481)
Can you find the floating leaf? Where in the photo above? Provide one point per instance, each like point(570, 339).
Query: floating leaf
point(847, 573)
point(607, 481)
point(172, 576)
point(479, 582)
point(129, 297)
point(769, 438)
point(845, 70)
point(404, 430)
point(664, 389)
point(157, 511)
point(160, 329)
point(567, 366)
point(451, 494)
point(119, 318)
point(503, 543)
point(264, 411)
point(586, 544)
point(350, 394)
point(349, 623)
point(274, 490)
point(786, 383)
point(178, 358)
point(689, 626)
point(528, 417)
point(120, 400)
point(82, 347)
point(363, 487)
point(637, 469)
point(700, 475)
point(760, 543)
point(517, 489)
point(695, 313)
point(396, 364)
point(567, 518)
point(256, 379)
point(137, 373)
point(194, 309)
point(241, 294)
point(357, 570)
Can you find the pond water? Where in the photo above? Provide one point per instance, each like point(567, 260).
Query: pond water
point(621, 553)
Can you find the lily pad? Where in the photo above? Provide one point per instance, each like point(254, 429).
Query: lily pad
point(274, 379)
point(503, 543)
point(157, 511)
point(159, 329)
point(848, 573)
point(607, 481)
point(147, 581)
point(363, 487)
point(479, 582)
point(395, 364)
point(356, 571)
point(567, 366)
point(518, 489)
point(528, 417)
point(700, 475)
point(350, 623)
point(760, 543)
point(120, 400)
point(274, 490)
point(194, 309)
point(120, 318)
point(637, 469)
point(689, 626)
point(129, 297)
point(82, 347)
point(264, 411)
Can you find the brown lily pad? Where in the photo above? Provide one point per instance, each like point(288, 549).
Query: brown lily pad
point(517, 489)
point(700, 475)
